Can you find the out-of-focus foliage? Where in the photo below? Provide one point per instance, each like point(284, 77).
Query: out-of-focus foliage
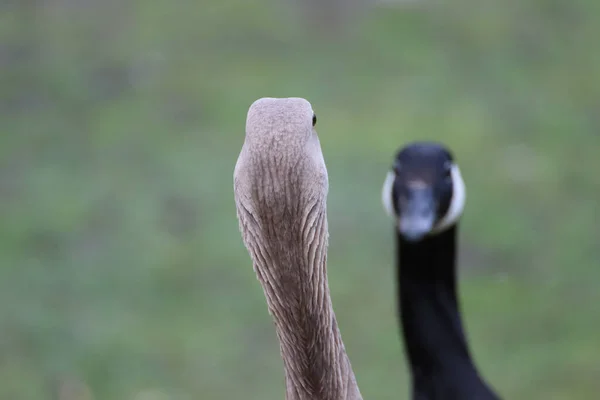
point(122, 271)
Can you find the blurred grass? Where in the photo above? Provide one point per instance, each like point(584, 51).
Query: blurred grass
point(121, 265)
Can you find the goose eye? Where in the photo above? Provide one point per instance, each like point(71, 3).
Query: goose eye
point(314, 120)
point(448, 171)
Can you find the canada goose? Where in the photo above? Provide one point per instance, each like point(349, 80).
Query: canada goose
point(425, 194)
point(280, 187)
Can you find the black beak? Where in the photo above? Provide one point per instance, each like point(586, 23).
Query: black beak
point(417, 214)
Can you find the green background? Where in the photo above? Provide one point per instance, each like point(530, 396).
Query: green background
point(122, 271)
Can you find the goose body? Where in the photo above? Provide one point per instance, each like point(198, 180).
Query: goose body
point(425, 194)
point(280, 190)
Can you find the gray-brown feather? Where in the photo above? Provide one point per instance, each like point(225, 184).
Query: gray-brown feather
point(280, 188)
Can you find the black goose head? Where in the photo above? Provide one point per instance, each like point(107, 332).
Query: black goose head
point(424, 191)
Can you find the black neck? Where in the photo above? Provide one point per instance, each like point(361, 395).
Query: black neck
point(440, 363)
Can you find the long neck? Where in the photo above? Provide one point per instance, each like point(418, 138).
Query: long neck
point(434, 339)
point(293, 275)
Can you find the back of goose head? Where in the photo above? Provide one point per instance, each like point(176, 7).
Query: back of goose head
point(280, 178)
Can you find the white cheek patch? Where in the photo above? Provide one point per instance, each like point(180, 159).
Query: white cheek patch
point(386, 194)
point(457, 203)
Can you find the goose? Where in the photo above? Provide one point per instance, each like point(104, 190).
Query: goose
point(425, 195)
point(280, 189)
